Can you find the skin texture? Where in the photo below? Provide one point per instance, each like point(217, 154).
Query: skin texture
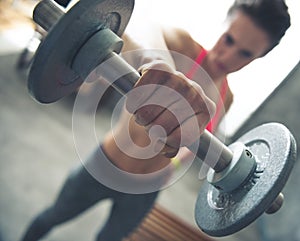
point(238, 46)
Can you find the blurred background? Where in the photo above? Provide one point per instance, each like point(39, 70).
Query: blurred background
point(36, 141)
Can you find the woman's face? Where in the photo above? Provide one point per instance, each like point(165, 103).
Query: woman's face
point(240, 44)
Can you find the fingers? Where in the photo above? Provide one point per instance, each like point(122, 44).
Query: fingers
point(153, 76)
point(166, 98)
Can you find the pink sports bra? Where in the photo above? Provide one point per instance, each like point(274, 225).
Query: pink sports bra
point(212, 125)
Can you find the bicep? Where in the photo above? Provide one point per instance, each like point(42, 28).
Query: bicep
point(150, 43)
point(176, 39)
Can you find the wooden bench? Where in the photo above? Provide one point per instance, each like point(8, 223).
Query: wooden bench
point(162, 225)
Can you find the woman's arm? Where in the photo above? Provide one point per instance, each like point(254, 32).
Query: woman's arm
point(150, 43)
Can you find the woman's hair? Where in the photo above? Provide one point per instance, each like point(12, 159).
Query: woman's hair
point(270, 15)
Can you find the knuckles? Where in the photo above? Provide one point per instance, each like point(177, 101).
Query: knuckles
point(167, 98)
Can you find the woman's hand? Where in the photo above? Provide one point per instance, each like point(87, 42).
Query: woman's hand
point(172, 108)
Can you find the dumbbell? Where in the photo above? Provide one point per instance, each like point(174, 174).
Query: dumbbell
point(245, 178)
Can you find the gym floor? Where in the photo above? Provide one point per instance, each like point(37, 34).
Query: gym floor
point(37, 151)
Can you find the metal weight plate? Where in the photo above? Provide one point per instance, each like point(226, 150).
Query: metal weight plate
point(51, 76)
point(221, 214)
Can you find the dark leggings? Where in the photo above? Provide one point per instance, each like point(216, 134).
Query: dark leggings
point(80, 192)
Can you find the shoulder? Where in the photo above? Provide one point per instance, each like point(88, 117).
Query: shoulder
point(176, 34)
point(180, 40)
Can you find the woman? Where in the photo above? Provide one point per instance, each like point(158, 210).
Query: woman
point(255, 27)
